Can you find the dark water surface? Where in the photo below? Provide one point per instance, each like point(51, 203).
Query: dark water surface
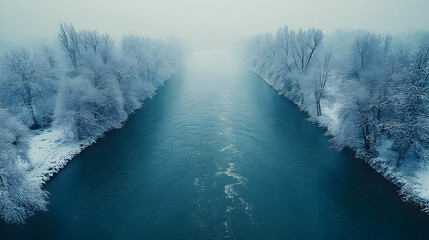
point(218, 154)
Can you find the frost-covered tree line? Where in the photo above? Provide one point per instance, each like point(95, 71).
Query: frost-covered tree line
point(364, 87)
point(85, 85)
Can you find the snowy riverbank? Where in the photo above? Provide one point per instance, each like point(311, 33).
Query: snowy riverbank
point(51, 149)
point(60, 99)
point(412, 177)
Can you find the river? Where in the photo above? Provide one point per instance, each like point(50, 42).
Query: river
point(217, 154)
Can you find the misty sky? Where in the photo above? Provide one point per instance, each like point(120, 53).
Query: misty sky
point(206, 24)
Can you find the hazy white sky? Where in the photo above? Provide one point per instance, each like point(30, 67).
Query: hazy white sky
point(206, 23)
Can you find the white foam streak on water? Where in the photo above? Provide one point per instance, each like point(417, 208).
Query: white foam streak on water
point(227, 173)
point(227, 147)
point(230, 189)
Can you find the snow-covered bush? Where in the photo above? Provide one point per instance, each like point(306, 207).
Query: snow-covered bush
point(87, 111)
point(19, 198)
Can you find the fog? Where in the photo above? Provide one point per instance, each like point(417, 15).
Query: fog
point(205, 24)
point(59, 98)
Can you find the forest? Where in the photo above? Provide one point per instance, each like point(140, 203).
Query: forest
point(85, 85)
point(368, 90)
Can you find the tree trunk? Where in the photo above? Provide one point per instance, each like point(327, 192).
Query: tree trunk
point(33, 117)
point(365, 139)
point(319, 110)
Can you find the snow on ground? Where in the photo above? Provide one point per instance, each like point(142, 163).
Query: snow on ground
point(329, 118)
point(411, 176)
point(421, 189)
point(50, 150)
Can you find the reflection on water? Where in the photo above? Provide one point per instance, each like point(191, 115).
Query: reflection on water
point(219, 154)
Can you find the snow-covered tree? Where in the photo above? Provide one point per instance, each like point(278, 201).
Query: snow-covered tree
point(412, 102)
point(27, 82)
point(321, 78)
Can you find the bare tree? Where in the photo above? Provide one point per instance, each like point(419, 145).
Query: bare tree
point(420, 73)
point(50, 62)
point(107, 45)
point(89, 39)
point(100, 45)
point(21, 79)
point(387, 43)
point(69, 39)
point(322, 78)
point(285, 40)
point(305, 45)
point(365, 46)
